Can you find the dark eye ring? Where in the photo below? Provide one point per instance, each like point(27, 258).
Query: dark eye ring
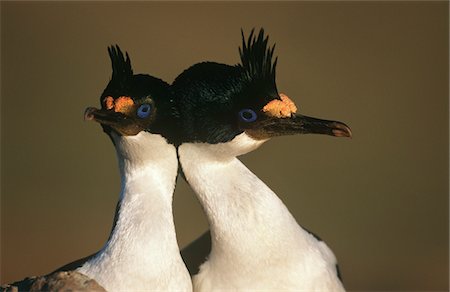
point(144, 110)
point(248, 115)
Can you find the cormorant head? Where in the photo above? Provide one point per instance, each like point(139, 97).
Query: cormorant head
point(218, 102)
point(133, 103)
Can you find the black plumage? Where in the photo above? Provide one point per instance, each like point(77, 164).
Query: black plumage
point(141, 87)
point(124, 83)
point(210, 95)
point(217, 102)
point(256, 61)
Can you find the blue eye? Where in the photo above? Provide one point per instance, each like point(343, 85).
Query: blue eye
point(144, 110)
point(247, 115)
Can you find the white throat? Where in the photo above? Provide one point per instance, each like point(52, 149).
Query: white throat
point(142, 252)
point(256, 242)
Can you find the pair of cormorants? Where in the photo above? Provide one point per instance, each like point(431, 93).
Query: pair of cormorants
point(211, 114)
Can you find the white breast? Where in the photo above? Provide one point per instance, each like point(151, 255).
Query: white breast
point(142, 252)
point(256, 242)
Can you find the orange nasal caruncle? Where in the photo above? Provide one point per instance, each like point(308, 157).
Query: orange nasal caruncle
point(121, 104)
point(283, 108)
point(109, 101)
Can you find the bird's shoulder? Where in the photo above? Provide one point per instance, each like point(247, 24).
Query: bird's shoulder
point(58, 281)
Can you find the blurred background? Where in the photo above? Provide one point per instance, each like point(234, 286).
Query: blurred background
point(380, 200)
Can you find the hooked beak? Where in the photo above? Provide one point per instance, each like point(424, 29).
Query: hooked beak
point(298, 124)
point(310, 125)
point(116, 120)
point(103, 116)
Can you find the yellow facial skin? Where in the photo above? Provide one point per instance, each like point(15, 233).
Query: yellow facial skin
point(122, 104)
point(283, 108)
point(120, 114)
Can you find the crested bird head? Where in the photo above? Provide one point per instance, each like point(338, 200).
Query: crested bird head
point(132, 103)
point(218, 102)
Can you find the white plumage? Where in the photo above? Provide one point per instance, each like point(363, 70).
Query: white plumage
point(256, 242)
point(142, 252)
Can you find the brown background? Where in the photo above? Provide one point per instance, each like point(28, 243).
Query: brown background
point(379, 200)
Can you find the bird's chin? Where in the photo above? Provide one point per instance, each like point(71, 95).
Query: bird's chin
point(245, 143)
point(258, 135)
point(127, 131)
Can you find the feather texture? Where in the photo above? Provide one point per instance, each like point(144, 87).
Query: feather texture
point(256, 57)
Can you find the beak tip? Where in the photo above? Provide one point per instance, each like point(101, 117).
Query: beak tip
point(342, 130)
point(89, 114)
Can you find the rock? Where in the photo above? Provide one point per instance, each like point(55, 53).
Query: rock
point(58, 281)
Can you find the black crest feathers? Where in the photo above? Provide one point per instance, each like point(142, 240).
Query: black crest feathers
point(121, 66)
point(256, 57)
